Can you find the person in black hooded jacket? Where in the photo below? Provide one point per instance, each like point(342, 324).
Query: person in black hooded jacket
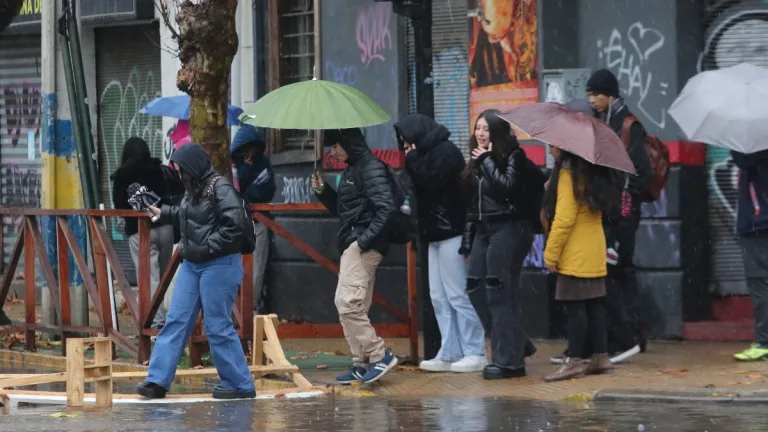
point(497, 238)
point(212, 221)
point(434, 165)
point(365, 205)
point(138, 166)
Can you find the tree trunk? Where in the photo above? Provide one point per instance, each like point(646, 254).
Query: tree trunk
point(8, 11)
point(207, 44)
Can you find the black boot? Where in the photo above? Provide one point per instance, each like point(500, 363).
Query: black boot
point(4, 320)
point(530, 348)
point(222, 393)
point(493, 372)
point(150, 390)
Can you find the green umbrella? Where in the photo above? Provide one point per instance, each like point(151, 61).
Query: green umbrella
point(315, 104)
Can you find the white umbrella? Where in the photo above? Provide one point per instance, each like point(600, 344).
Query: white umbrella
point(726, 108)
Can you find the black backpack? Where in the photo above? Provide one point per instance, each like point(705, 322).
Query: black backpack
point(403, 228)
point(248, 244)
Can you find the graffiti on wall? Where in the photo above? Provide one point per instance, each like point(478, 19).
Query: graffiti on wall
point(372, 30)
point(732, 36)
point(295, 189)
point(21, 111)
point(119, 119)
point(628, 53)
point(20, 188)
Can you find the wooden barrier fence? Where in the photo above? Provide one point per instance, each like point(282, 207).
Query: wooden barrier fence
point(143, 309)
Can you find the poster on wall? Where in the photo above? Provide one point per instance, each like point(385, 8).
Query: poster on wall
point(503, 55)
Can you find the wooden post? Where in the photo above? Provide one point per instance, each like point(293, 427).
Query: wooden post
point(413, 305)
point(144, 282)
point(102, 277)
point(246, 299)
point(62, 252)
point(258, 341)
point(103, 371)
point(75, 372)
point(29, 282)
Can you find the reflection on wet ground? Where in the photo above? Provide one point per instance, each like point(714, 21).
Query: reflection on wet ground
point(402, 414)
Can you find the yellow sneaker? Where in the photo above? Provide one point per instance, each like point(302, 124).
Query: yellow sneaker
point(754, 353)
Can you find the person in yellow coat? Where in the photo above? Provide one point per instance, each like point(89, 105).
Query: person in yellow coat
point(576, 197)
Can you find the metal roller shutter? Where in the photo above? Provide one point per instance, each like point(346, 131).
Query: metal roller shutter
point(20, 105)
point(450, 39)
point(735, 32)
point(128, 76)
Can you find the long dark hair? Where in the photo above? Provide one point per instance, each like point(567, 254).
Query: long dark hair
point(593, 185)
point(504, 142)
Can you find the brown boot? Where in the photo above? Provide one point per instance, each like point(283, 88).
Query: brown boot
point(600, 363)
point(571, 368)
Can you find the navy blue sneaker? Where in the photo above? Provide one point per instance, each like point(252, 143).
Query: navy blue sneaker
point(355, 374)
point(380, 368)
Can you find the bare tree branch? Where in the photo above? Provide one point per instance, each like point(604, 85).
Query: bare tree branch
point(162, 7)
point(170, 51)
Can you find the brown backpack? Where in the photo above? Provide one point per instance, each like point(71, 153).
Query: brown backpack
point(658, 155)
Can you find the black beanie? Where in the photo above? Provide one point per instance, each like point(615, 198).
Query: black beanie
point(603, 82)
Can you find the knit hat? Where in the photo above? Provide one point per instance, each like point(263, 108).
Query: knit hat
point(603, 82)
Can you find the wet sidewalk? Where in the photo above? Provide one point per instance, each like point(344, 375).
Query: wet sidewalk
point(686, 368)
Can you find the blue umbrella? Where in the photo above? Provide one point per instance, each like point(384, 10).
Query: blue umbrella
point(178, 107)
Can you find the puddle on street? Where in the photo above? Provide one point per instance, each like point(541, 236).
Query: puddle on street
point(400, 414)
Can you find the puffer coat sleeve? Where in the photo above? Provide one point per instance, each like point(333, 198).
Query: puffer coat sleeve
point(377, 187)
point(231, 216)
point(505, 182)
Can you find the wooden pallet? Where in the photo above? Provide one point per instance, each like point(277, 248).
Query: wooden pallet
point(268, 358)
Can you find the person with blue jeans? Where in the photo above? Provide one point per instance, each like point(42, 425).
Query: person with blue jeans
point(434, 165)
point(257, 185)
point(752, 227)
point(212, 223)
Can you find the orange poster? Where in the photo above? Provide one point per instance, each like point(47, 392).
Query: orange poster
point(503, 55)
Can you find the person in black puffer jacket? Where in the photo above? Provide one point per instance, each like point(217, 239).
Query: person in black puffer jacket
point(365, 205)
point(497, 238)
point(138, 166)
point(212, 221)
point(435, 164)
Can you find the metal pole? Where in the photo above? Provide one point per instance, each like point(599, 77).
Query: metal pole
point(422, 32)
point(74, 108)
point(82, 101)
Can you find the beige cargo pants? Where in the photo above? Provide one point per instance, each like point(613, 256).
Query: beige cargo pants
point(354, 295)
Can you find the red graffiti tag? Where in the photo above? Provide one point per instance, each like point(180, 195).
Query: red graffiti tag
point(373, 35)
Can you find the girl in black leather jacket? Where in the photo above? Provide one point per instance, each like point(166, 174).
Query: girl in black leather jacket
point(497, 238)
point(212, 221)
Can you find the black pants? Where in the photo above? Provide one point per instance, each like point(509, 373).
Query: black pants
point(754, 250)
point(586, 323)
point(496, 261)
point(623, 296)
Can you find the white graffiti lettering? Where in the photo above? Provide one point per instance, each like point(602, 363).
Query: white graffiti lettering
point(628, 55)
point(297, 190)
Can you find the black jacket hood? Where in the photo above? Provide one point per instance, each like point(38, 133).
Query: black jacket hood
point(351, 140)
point(422, 131)
point(194, 160)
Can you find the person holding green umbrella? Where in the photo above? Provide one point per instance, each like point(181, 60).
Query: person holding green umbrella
point(365, 205)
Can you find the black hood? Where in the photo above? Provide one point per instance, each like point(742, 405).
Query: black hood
point(351, 140)
point(422, 131)
point(193, 160)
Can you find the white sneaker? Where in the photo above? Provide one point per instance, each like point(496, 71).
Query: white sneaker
point(621, 357)
point(435, 365)
point(470, 364)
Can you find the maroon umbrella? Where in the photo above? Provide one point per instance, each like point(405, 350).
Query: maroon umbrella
point(572, 131)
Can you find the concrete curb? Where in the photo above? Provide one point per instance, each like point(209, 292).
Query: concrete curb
point(682, 396)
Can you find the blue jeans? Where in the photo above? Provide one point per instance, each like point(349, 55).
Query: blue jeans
point(461, 331)
point(212, 286)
